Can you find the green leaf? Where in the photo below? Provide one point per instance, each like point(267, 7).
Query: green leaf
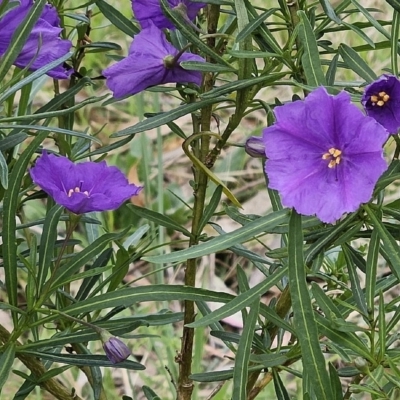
point(10, 207)
point(329, 11)
point(117, 19)
point(32, 76)
point(353, 61)
point(280, 388)
point(205, 67)
point(331, 73)
point(84, 360)
point(395, 4)
point(241, 301)
point(335, 383)
point(263, 80)
point(129, 296)
point(49, 129)
point(263, 224)
point(390, 246)
point(210, 208)
point(241, 369)
point(254, 24)
point(47, 242)
point(360, 33)
point(158, 219)
point(150, 393)
point(381, 329)
point(6, 361)
point(187, 31)
point(216, 376)
point(164, 118)
point(80, 259)
point(358, 294)
point(269, 360)
point(371, 269)
point(310, 59)
point(304, 321)
point(347, 340)
point(3, 171)
point(394, 45)
point(372, 20)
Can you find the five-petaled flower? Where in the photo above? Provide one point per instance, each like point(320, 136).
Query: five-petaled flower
point(82, 187)
point(43, 45)
point(151, 61)
point(116, 350)
point(381, 100)
point(324, 156)
point(149, 11)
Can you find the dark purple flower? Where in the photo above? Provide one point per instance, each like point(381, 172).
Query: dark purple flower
point(255, 146)
point(83, 187)
point(151, 61)
point(381, 100)
point(43, 45)
point(146, 11)
point(324, 155)
point(116, 350)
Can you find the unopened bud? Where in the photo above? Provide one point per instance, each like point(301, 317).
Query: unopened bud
point(255, 146)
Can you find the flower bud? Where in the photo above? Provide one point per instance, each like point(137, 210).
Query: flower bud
point(116, 350)
point(361, 365)
point(255, 146)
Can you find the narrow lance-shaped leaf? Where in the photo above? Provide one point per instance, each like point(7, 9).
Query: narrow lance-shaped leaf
point(310, 59)
point(263, 224)
point(304, 321)
point(10, 206)
point(47, 242)
point(353, 60)
point(6, 362)
point(241, 369)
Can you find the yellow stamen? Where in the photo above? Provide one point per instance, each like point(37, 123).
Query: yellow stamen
point(334, 157)
point(380, 99)
point(77, 190)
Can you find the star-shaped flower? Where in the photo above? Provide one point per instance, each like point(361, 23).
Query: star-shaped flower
point(43, 45)
point(151, 61)
point(149, 11)
point(324, 156)
point(83, 187)
point(381, 100)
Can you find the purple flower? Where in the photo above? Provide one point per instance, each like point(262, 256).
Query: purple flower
point(43, 45)
point(151, 61)
point(116, 350)
point(381, 100)
point(82, 187)
point(255, 147)
point(324, 155)
point(147, 11)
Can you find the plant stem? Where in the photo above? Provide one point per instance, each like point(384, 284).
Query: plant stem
point(37, 369)
point(185, 384)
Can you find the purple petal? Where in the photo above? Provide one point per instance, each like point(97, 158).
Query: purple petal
point(386, 113)
point(43, 45)
point(83, 187)
point(149, 12)
point(301, 167)
point(145, 67)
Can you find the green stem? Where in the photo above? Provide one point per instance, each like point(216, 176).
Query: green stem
point(185, 384)
point(37, 369)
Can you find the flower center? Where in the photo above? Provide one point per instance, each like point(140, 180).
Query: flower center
point(380, 99)
point(78, 190)
point(334, 157)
